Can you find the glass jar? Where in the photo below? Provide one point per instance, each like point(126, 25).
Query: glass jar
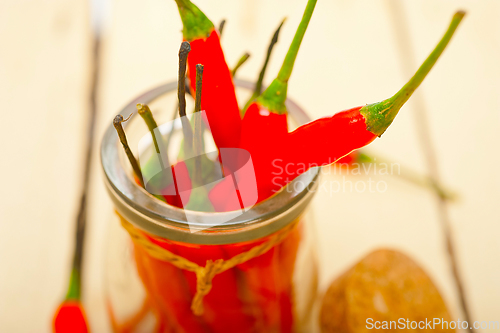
point(257, 272)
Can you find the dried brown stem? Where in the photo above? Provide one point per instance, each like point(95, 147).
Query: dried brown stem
point(117, 123)
point(181, 86)
point(181, 92)
point(198, 132)
point(221, 27)
point(258, 86)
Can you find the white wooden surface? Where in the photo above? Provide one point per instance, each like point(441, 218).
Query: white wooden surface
point(356, 62)
point(44, 80)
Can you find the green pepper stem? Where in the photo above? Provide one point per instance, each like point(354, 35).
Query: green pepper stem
point(74, 289)
point(195, 23)
point(81, 221)
point(410, 175)
point(258, 86)
point(242, 60)
point(274, 96)
point(380, 115)
point(287, 67)
point(147, 116)
point(117, 123)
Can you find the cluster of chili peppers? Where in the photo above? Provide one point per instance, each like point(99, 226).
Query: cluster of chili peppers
point(263, 131)
point(256, 295)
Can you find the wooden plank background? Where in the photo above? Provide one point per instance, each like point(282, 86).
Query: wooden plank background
point(44, 80)
point(44, 85)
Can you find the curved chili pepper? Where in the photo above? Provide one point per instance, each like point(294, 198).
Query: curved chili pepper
point(327, 139)
point(268, 114)
point(219, 96)
point(352, 129)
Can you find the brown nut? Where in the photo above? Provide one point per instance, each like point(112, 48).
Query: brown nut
point(384, 286)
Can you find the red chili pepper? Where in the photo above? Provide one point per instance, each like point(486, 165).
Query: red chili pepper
point(340, 134)
point(219, 97)
point(180, 177)
point(327, 139)
point(223, 309)
point(287, 252)
point(267, 281)
point(167, 285)
point(70, 318)
point(268, 116)
point(222, 306)
point(261, 278)
point(336, 136)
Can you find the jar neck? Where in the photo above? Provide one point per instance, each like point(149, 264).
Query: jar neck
point(159, 219)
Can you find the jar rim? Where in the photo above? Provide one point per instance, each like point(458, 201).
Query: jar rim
point(148, 213)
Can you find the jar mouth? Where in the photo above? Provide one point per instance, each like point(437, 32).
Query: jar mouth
point(145, 211)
